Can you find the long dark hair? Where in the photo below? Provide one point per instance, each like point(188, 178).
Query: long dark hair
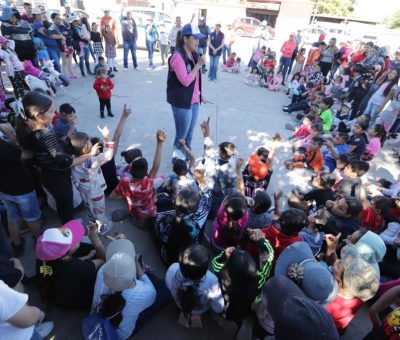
point(392, 83)
point(84, 21)
point(111, 307)
point(193, 264)
point(34, 103)
point(179, 40)
point(239, 282)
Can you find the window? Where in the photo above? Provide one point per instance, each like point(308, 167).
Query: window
point(248, 21)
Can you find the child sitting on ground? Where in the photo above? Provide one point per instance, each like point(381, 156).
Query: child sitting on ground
point(338, 173)
point(230, 65)
point(351, 185)
point(103, 86)
point(89, 178)
point(253, 78)
point(324, 114)
point(376, 136)
point(293, 84)
point(312, 159)
point(183, 176)
point(343, 115)
point(303, 145)
point(257, 56)
point(66, 122)
point(259, 216)
point(358, 140)
point(275, 82)
point(320, 194)
point(335, 149)
point(139, 190)
point(304, 130)
point(232, 216)
point(282, 232)
point(373, 215)
point(313, 234)
point(258, 171)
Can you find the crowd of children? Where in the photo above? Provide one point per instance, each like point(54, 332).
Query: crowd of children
point(302, 268)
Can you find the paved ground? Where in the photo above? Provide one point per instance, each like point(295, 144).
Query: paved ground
point(241, 114)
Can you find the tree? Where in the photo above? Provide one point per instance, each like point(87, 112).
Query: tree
point(334, 7)
point(393, 21)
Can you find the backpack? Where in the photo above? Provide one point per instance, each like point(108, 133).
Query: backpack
point(95, 327)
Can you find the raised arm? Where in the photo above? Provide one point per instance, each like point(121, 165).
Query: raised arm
point(157, 156)
point(120, 127)
point(239, 180)
point(275, 141)
point(192, 159)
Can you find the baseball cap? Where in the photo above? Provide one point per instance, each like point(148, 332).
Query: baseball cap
point(54, 243)
point(202, 19)
point(257, 168)
point(295, 315)
point(191, 29)
point(120, 266)
point(297, 263)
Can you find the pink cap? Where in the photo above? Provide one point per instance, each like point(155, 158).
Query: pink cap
point(54, 243)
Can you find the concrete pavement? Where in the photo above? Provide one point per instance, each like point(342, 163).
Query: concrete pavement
point(244, 115)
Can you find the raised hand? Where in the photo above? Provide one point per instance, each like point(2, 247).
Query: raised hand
point(205, 127)
point(161, 136)
point(126, 111)
point(105, 132)
point(182, 143)
point(239, 163)
point(276, 138)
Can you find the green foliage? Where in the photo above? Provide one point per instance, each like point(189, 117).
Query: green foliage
point(334, 7)
point(393, 21)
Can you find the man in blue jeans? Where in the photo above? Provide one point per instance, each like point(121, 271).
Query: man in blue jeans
point(217, 41)
point(129, 36)
point(151, 39)
point(50, 41)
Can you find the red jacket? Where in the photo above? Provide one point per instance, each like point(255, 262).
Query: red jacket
point(103, 93)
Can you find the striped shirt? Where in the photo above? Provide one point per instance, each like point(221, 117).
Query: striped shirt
point(49, 152)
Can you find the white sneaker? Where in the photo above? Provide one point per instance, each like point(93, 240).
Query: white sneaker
point(45, 328)
point(125, 69)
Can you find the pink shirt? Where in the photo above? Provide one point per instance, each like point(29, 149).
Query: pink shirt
point(374, 146)
point(177, 65)
point(287, 49)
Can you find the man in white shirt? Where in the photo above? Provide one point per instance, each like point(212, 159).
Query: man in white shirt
point(172, 34)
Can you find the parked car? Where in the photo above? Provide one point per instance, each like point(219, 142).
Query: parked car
point(251, 27)
point(311, 34)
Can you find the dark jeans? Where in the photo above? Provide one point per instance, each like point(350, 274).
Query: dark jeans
point(284, 66)
point(55, 55)
point(150, 45)
point(396, 126)
point(58, 183)
point(130, 46)
point(325, 67)
point(85, 58)
point(298, 106)
point(163, 297)
point(226, 52)
point(105, 103)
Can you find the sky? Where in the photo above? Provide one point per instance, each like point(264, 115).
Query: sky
point(368, 9)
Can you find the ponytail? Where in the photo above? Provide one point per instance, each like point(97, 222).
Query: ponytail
point(23, 131)
point(34, 103)
point(111, 308)
point(187, 296)
point(193, 265)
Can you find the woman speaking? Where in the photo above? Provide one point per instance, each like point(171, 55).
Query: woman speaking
point(184, 86)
